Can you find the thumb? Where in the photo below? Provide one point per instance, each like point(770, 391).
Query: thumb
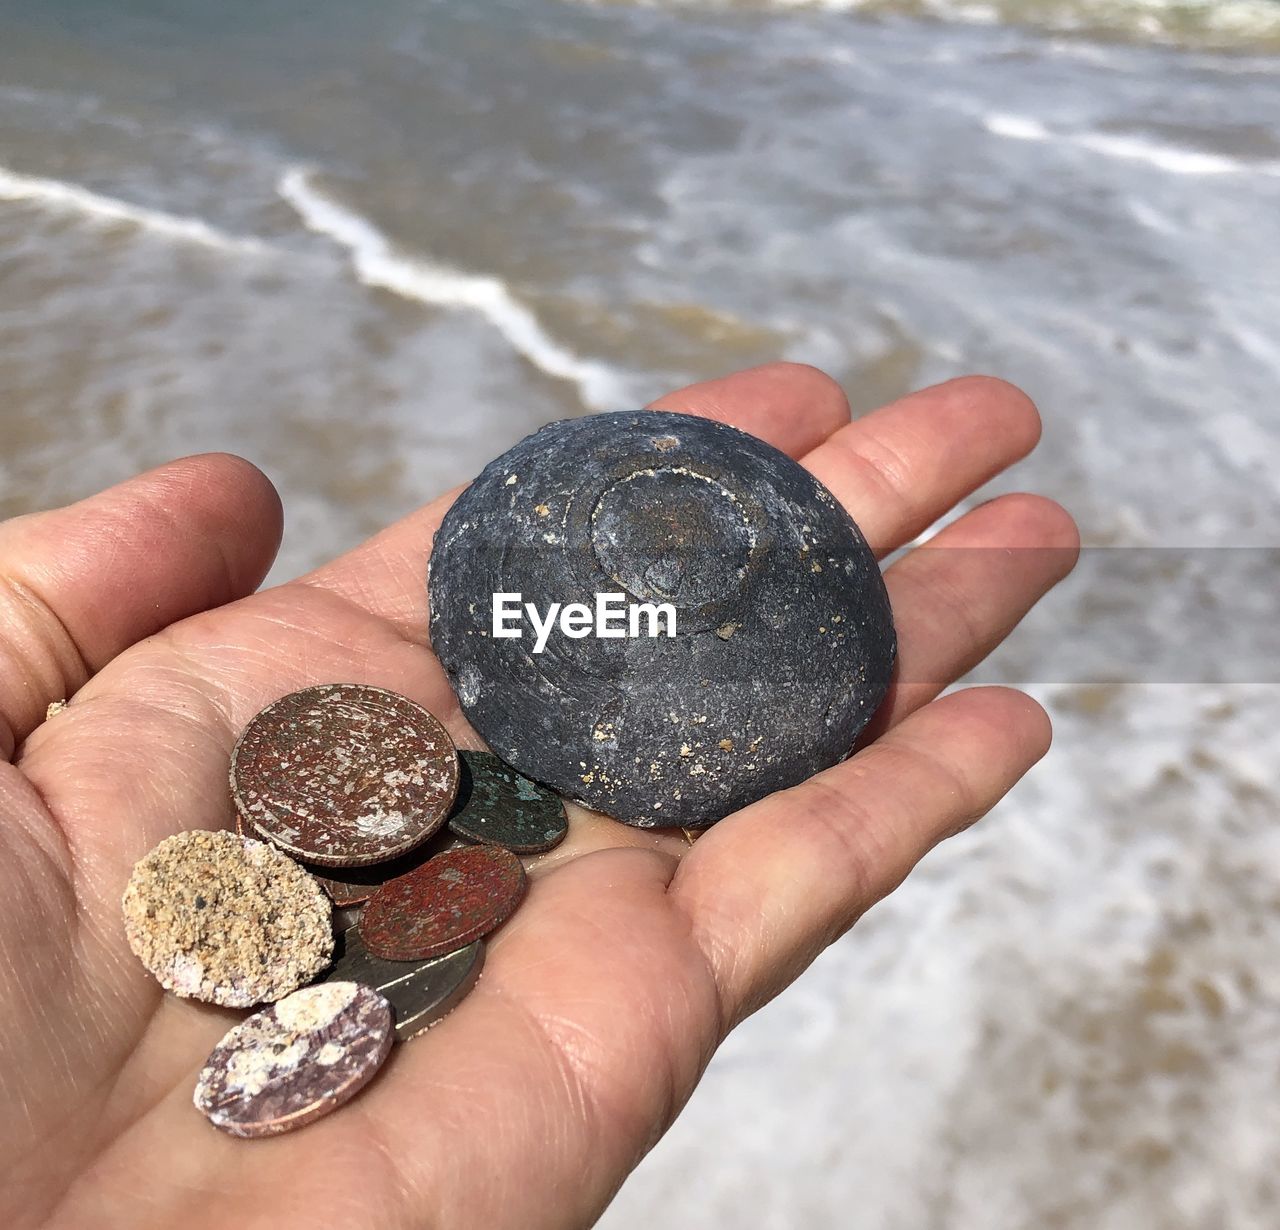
point(78, 585)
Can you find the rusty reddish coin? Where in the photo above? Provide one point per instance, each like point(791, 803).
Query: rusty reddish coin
point(449, 901)
point(348, 886)
point(344, 775)
point(298, 1060)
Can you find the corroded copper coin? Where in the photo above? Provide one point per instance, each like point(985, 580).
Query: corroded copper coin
point(420, 992)
point(344, 775)
point(499, 807)
point(449, 901)
point(295, 1061)
point(344, 893)
point(348, 886)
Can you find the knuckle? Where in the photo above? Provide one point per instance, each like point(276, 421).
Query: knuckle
point(38, 657)
point(883, 470)
point(853, 834)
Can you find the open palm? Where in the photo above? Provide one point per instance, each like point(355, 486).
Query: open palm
point(605, 995)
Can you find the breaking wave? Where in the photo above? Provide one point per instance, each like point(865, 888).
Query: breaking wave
point(378, 264)
point(1174, 159)
point(71, 198)
point(1250, 25)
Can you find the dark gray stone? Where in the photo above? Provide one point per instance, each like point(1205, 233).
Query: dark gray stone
point(785, 641)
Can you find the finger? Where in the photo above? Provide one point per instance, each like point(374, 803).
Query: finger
point(957, 597)
point(788, 404)
point(899, 468)
point(792, 406)
point(767, 889)
point(80, 584)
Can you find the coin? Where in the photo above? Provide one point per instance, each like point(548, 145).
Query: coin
point(345, 893)
point(421, 992)
point(344, 918)
point(354, 885)
point(499, 807)
point(296, 1061)
point(449, 901)
point(344, 775)
point(226, 919)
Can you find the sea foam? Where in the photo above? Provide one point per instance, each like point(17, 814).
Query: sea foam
point(378, 264)
point(1016, 127)
point(54, 194)
point(1171, 158)
point(1230, 23)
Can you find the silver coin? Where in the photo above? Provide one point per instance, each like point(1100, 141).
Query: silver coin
point(420, 992)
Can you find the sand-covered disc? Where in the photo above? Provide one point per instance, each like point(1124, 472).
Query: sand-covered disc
point(344, 774)
point(723, 630)
point(226, 919)
point(296, 1061)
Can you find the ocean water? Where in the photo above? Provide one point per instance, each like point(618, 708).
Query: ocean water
point(369, 246)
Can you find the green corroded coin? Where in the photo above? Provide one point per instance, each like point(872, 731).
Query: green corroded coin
point(496, 806)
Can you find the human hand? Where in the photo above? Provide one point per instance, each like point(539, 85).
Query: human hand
point(633, 955)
